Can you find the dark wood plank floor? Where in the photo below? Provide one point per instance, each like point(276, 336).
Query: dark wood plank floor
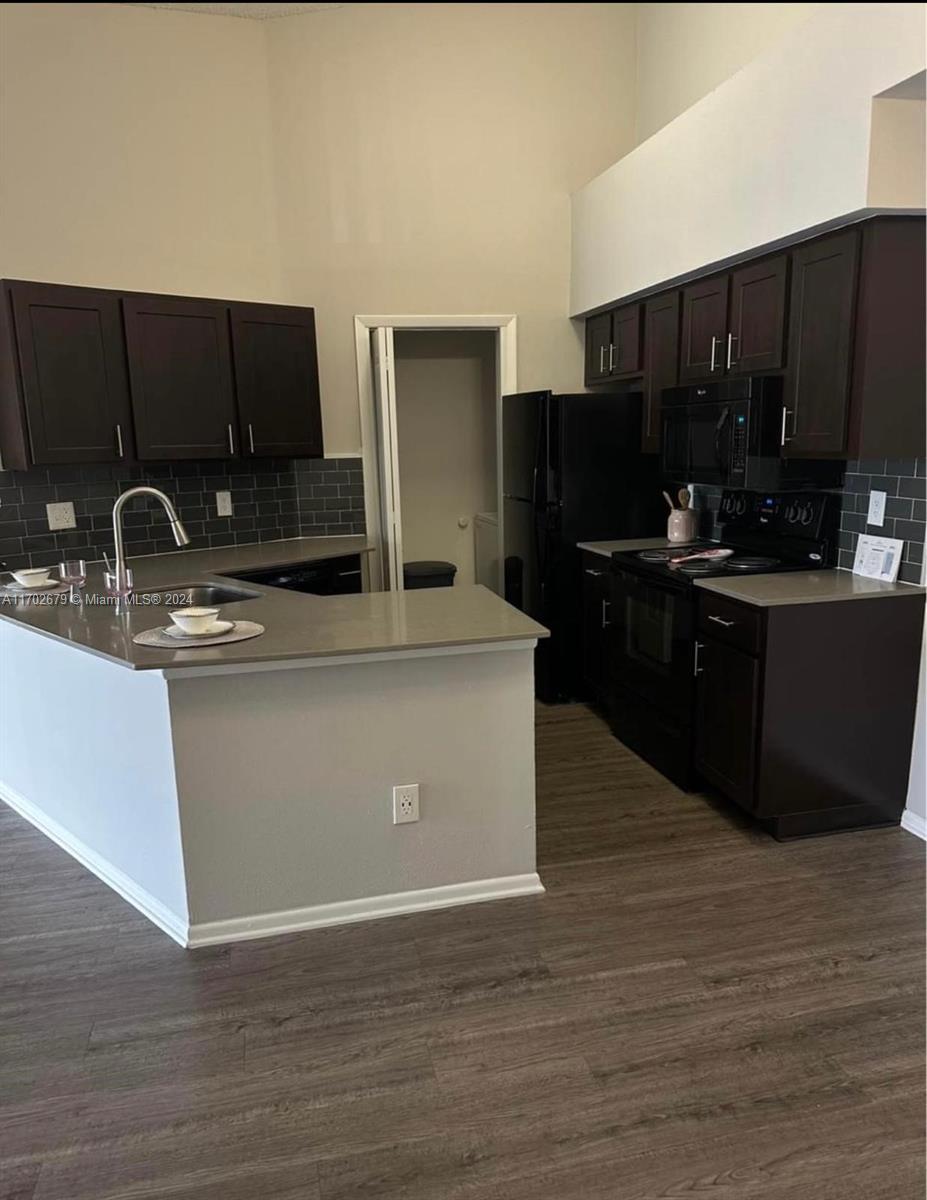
point(691, 1009)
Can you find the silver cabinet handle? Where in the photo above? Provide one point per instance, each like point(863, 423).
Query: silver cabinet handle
point(721, 621)
point(785, 417)
point(611, 358)
point(250, 437)
point(696, 666)
point(119, 446)
point(605, 620)
point(730, 350)
point(231, 440)
point(601, 360)
point(594, 574)
point(714, 344)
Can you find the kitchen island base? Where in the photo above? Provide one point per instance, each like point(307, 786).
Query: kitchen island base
point(232, 802)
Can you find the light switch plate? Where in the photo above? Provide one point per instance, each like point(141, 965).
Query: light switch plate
point(61, 516)
point(876, 508)
point(224, 504)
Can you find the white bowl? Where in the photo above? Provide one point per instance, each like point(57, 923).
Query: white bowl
point(32, 576)
point(194, 620)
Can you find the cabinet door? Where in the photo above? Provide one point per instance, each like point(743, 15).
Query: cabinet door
point(596, 620)
point(661, 363)
point(704, 329)
point(756, 340)
point(598, 343)
point(180, 370)
point(727, 720)
point(277, 380)
point(624, 356)
point(817, 381)
point(73, 370)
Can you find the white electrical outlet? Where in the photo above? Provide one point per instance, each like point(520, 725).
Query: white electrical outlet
point(876, 515)
point(224, 504)
point(405, 803)
point(61, 516)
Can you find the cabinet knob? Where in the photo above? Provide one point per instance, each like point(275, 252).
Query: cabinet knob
point(714, 346)
point(231, 439)
point(250, 437)
point(721, 621)
point(119, 446)
point(785, 416)
point(611, 357)
point(730, 350)
point(601, 360)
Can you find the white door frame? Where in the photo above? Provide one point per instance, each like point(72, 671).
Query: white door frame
point(504, 326)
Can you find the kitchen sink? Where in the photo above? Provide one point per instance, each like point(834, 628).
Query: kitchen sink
point(195, 595)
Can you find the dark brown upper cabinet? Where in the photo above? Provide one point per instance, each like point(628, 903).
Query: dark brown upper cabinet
point(625, 356)
point(63, 371)
point(756, 336)
point(598, 342)
point(180, 371)
point(613, 344)
point(277, 380)
point(817, 380)
point(704, 329)
point(661, 364)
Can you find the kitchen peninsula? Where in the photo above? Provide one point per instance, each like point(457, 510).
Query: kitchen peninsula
point(243, 790)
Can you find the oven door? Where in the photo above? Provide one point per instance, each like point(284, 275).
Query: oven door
point(653, 642)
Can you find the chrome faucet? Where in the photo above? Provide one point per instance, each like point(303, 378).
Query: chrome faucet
point(181, 537)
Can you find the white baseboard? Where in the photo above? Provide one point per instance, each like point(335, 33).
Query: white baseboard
point(914, 824)
point(292, 920)
point(368, 909)
point(174, 926)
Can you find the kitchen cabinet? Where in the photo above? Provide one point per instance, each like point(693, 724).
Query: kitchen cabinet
point(805, 711)
point(93, 375)
point(598, 343)
point(704, 329)
point(756, 331)
point(613, 344)
point(661, 364)
point(180, 371)
point(276, 380)
point(63, 376)
point(817, 379)
point(341, 576)
point(727, 718)
point(596, 587)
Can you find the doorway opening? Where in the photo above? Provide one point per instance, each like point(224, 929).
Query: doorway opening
point(430, 390)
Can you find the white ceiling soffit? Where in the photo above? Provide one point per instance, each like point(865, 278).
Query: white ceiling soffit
point(254, 12)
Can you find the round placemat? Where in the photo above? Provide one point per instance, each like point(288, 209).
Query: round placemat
point(15, 591)
point(166, 641)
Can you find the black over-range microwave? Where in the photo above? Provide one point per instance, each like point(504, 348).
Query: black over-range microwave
point(730, 434)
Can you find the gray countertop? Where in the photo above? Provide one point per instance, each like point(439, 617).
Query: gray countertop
point(607, 549)
point(804, 587)
point(297, 625)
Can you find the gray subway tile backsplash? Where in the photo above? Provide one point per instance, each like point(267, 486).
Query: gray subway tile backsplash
point(280, 498)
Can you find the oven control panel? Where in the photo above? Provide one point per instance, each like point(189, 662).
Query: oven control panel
point(787, 514)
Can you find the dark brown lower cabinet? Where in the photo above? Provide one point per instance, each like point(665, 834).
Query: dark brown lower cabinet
point(805, 712)
point(596, 623)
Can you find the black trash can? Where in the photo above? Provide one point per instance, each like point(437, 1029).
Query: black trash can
point(428, 574)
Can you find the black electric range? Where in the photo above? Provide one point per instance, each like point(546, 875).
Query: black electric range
point(652, 647)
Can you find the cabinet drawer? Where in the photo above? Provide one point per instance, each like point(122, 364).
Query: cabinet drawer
point(732, 623)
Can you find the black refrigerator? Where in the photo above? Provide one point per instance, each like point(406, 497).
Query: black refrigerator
point(572, 471)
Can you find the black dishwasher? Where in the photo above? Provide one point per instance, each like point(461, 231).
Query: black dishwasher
point(324, 577)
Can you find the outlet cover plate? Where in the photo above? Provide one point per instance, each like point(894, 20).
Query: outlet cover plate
point(405, 803)
point(223, 504)
point(61, 516)
point(876, 515)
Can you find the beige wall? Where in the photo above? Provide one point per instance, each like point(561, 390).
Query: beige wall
point(135, 150)
point(897, 163)
point(425, 157)
point(685, 50)
point(446, 414)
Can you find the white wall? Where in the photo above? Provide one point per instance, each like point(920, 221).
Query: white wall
point(685, 50)
point(425, 155)
point(135, 150)
point(780, 147)
point(446, 412)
